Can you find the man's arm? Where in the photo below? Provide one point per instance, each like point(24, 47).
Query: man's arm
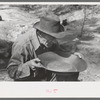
point(17, 67)
point(22, 53)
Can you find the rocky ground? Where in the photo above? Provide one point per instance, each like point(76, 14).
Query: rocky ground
point(16, 21)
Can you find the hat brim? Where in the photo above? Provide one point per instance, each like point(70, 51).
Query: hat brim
point(56, 63)
point(56, 35)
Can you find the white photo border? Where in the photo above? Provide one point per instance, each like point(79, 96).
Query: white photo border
point(50, 89)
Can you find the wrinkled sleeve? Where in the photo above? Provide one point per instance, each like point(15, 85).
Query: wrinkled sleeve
point(22, 54)
point(17, 67)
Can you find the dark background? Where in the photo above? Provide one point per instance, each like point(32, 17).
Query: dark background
point(50, 99)
point(49, 0)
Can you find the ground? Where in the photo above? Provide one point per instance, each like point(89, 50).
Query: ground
point(16, 22)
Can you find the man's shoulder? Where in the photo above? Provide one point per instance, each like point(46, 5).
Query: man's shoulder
point(23, 38)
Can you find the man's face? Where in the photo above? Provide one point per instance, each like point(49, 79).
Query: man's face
point(46, 39)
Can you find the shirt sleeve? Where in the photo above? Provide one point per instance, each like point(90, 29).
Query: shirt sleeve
point(19, 66)
point(22, 54)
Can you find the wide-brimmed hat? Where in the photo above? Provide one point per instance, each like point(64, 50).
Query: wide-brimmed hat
point(56, 63)
point(50, 24)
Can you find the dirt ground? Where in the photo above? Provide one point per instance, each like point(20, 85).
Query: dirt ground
point(16, 22)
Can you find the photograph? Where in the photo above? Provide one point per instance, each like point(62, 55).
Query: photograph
point(43, 42)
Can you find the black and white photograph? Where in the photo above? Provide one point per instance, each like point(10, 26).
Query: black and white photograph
point(49, 42)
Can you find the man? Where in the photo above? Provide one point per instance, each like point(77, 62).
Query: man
point(24, 62)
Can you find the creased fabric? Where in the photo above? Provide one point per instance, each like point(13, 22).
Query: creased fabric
point(22, 52)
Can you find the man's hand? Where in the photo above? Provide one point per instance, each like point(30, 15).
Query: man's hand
point(36, 63)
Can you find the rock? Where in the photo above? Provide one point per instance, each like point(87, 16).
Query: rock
point(64, 22)
point(0, 18)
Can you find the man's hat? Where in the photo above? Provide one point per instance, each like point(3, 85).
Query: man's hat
point(50, 24)
point(56, 63)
